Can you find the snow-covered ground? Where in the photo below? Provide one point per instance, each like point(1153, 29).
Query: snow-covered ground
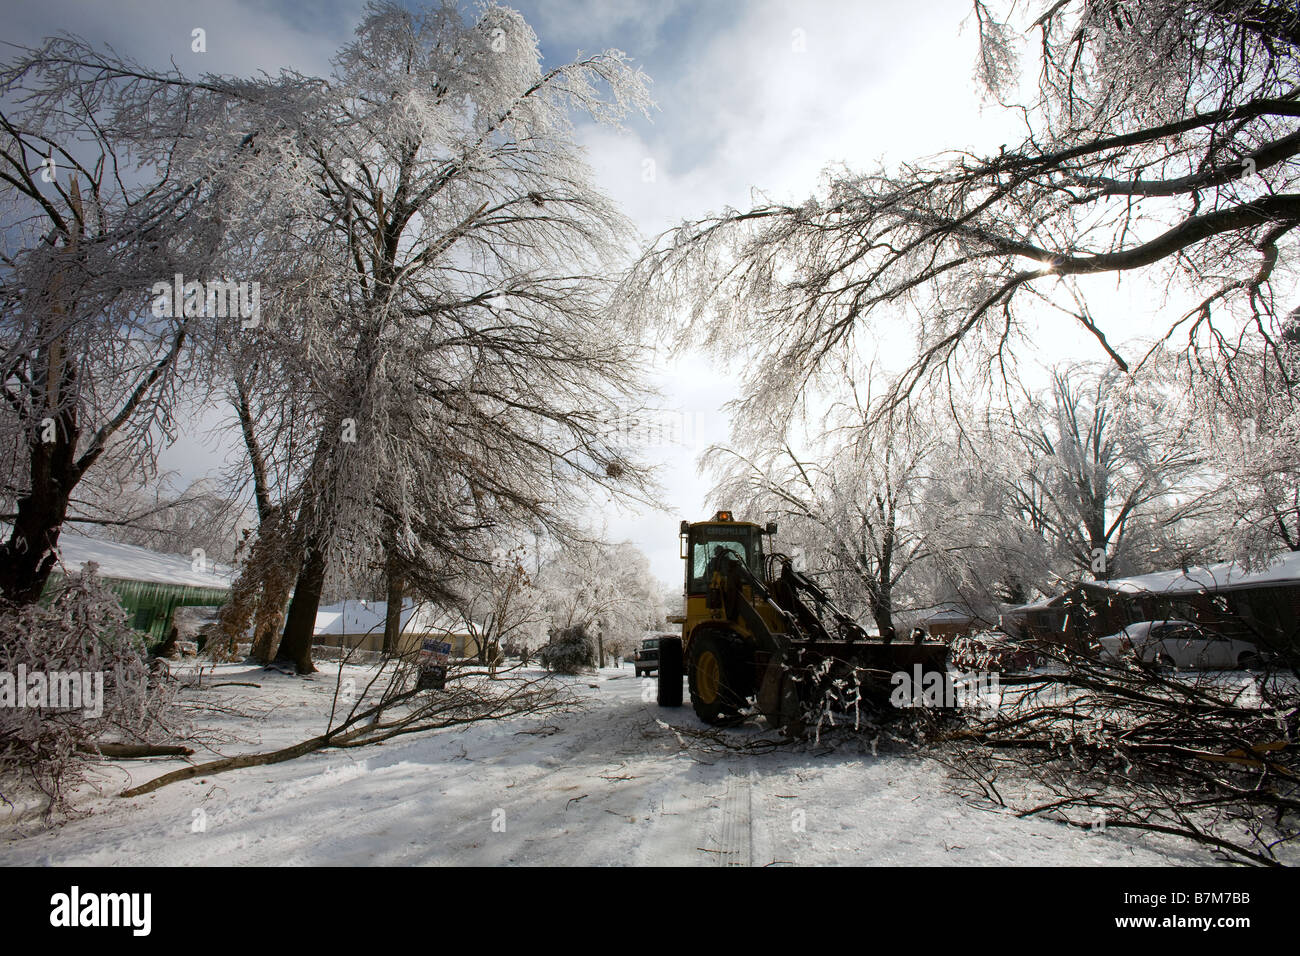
point(610, 783)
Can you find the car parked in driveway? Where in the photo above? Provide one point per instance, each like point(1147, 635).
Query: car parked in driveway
point(1182, 644)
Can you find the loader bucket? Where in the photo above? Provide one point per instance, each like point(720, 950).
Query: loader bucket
point(843, 678)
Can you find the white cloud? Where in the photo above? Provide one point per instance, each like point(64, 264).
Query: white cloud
point(242, 36)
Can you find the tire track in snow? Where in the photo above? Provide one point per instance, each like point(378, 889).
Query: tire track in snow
point(734, 837)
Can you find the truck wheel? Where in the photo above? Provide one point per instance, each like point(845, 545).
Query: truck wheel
point(670, 672)
point(714, 677)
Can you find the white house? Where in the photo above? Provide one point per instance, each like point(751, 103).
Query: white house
point(360, 625)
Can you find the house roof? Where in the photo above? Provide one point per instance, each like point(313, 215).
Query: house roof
point(1042, 604)
point(131, 563)
point(367, 617)
point(1281, 569)
point(946, 612)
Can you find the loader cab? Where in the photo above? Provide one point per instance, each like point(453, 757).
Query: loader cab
point(704, 543)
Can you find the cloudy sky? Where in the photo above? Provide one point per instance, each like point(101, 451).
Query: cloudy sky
point(751, 95)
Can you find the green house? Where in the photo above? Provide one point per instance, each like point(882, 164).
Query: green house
point(150, 585)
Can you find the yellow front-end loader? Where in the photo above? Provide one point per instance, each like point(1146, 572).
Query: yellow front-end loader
point(757, 633)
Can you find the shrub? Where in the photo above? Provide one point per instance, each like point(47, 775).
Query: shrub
point(570, 651)
point(51, 725)
point(991, 651)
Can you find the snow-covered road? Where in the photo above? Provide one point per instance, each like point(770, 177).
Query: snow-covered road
point(609, 784)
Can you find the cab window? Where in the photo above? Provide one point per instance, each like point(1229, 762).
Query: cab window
point(709, 542)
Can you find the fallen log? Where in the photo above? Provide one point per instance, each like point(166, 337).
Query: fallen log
point(135, 751)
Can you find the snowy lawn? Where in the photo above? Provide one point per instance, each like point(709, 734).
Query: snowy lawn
point(610, 782)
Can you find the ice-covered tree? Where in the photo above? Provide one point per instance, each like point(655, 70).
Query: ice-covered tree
point(199, 521)
point(502, 606)
point(1249, 409)
point(1099, 460)
point(435, 262)
point(448, 320)
point(99, 206)
point(1162, 147)
point(604, 589)
point(849, 503)
point(1093, 475)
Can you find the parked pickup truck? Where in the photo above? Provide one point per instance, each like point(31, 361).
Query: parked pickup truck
point(646, 660)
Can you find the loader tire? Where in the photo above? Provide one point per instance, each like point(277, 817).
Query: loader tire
point(715, 678)
point(670, 672)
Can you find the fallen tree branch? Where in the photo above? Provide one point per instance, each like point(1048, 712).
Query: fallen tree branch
point(366, 726)
point(1186, 756)
point(135, 751)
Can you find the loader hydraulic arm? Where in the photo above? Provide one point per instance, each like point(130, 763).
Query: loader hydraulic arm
point(804, 620)
point(733, 575)
point(792, 584)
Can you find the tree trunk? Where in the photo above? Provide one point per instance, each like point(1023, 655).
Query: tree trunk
point(393, 613)
point(28, 556)
point(882, 609)
point(309, 531)
point(259, 595)
point(300, 626)
point(884, 615)
point(270, 616)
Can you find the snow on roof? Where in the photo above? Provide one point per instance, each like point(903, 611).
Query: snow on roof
point(1042, 604)
point(131, 563)
point(367, 617)
point(1281, 569)
point(947, 612)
